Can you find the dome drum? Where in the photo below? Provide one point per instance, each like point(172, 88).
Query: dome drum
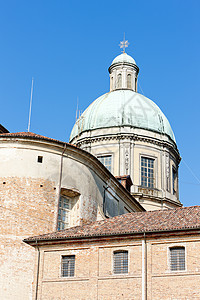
point(126, 147)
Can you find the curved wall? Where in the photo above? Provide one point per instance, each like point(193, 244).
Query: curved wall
point(29, 196)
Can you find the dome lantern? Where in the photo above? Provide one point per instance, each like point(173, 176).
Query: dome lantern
point(123, 71)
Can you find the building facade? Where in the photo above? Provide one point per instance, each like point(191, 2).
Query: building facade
point(148, 255)
point(122, 158)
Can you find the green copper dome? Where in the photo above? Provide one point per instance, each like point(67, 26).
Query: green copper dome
point(123, 108)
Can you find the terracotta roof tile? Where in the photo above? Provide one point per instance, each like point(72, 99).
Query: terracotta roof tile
point(151, 221)
point(27, 134)
point(33, 135)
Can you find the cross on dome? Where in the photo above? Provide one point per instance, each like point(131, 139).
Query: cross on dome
point(124, 44)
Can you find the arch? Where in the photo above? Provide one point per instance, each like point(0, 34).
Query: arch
point(119, 80)
point(67, 201)
point(129, 81)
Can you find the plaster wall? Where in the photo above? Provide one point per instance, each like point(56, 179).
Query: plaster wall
point(29, 194)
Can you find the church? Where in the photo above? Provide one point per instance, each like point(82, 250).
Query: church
point(98, 217)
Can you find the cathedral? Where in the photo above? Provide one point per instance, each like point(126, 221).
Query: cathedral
point(98, 217)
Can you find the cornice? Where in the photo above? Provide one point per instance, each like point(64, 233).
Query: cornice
point(131, 137)
point(46, 241)
point(120, 64)
point(156, 199)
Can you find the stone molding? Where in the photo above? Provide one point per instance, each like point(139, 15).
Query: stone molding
point(132, 137)
point(119, 64)
point(142, 197)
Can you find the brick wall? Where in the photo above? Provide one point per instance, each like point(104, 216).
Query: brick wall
point(94, 278)
point(27, 207)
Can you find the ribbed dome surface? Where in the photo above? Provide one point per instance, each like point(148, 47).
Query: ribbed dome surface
point(123, 108)
point(123, 58)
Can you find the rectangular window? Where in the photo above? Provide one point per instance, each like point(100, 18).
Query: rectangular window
point(64, 213)
point(68, 266)
point(120, 262)
point(147, 172)
point(177, 258)
point(174, 178)
point(106, 161)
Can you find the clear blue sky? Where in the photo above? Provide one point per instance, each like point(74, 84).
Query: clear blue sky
point(68, 45)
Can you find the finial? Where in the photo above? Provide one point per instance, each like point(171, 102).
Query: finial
point(124, 44)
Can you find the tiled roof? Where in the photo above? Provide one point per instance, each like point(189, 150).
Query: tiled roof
point(132, 223)
point(34, 136)
point(29, 135)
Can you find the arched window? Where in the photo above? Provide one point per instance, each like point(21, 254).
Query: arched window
point(120, 262)
point(119, 80)
point(129, 86)
point(177, 258)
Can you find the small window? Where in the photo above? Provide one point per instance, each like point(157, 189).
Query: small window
point(129, 81)
point(64, 212)
point(68, 266)
point(147, 172)
point(119, 80)
point(120, 265)
point(177, 258)
point(40, 159)
point(106, 161)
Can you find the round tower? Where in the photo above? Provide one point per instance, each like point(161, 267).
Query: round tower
point(123, 73)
